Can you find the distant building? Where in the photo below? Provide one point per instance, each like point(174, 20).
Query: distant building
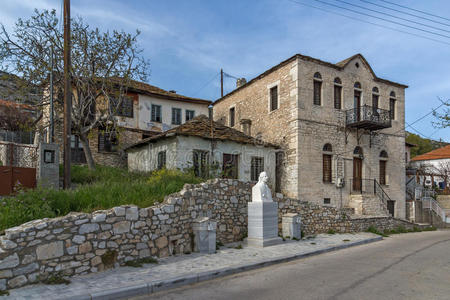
point(206, 147)
point(145, 111)
point(340, 127)
point(433, 168)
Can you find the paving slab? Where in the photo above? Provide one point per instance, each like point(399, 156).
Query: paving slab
point(176, 271)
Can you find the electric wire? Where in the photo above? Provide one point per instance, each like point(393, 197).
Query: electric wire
point(205, 85)
point(368, 22)
point(383, 19)
point(392, 16)
point(416, 10)
point(405, 13)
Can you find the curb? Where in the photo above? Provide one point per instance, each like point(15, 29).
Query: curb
point(162, 285)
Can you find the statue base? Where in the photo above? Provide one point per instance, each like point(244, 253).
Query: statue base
point(263, 224)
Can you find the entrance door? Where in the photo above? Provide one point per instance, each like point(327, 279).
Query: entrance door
point(357, 105)
point(230, 166)
point(357, 174)
point(391, 207)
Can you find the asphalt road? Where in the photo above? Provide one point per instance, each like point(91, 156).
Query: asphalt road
point(405, 266)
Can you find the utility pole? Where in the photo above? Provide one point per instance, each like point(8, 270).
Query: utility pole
point(67, 94)
point(221, 83)
point(52, 127)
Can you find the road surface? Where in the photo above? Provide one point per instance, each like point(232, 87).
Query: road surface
point(405, 266)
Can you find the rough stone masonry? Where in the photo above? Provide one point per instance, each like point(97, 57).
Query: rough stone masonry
point(81, 243)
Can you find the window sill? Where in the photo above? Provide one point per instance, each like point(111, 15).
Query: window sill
point(272, 111)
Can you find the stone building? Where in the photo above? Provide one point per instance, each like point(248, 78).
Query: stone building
point(210, 148)
point(145, 111)
point(340, 126)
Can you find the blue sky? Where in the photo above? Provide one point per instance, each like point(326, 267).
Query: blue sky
point(188, 42)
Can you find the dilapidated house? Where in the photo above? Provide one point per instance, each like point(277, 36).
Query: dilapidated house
point(207, 147)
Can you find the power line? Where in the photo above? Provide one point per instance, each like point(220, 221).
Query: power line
point(205, 85)
point(405, 13)
point(383, 19)
point(368, 22)
point(393, 16)
point(416, 10)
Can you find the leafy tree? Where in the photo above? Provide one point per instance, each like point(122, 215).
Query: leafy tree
point(423, 145)
point(103, 65)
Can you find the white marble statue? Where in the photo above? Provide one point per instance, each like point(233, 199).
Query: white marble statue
point(261, 191)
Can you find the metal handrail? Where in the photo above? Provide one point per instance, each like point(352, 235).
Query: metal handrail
point(430, 203)
point(368, 113)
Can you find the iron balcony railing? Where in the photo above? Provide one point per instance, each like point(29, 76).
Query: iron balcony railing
point(368, 117)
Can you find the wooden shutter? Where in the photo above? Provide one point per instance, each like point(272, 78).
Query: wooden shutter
point(337, 97)
point(382, 172)
point(317, 92)
point(327, 168)
point(274, 98)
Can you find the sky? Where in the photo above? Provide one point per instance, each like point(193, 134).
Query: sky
point(189, 41)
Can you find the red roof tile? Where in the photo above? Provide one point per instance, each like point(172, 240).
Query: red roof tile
point(440, 153)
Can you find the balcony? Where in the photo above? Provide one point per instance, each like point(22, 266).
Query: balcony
point(368, 117)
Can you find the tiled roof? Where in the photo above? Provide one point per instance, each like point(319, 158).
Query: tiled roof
point(440, 153)
point(338, 66)
point(151, 90)
point(201, 126)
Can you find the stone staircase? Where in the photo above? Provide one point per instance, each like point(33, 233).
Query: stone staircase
point(372, 206)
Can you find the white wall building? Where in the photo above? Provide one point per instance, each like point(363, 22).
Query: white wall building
point(205, 145)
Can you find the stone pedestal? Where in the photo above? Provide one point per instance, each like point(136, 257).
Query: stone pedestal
point(204, 235)
point(263, 224)
point(48, 165)
point(291, 225)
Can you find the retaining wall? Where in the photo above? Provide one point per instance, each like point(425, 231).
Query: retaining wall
point(81, 243)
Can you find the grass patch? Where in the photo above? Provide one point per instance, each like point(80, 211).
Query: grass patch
point(239, 247)
point(55, 278)
point(102, 188)
point(4, 293)
point(431, 228)
point(138, 263)
point(374, 230)
point(331, 231)
point(312, 243)
point(346, 240)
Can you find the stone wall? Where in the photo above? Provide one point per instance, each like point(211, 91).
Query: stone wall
point(81, 243)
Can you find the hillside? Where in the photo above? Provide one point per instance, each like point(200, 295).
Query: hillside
point(423, 145)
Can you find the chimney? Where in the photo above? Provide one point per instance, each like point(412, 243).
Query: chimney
point(210, 112)
point(240, 82)
point(246, 126)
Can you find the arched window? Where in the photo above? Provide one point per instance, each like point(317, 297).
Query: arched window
point(357, 85)
point(317, 93)
point(382, 170)
point(358, 151)
point(337, 93)
point(375, 97)
point(326, 163)
point(392, 102)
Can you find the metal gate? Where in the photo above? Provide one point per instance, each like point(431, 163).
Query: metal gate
point(18, 167)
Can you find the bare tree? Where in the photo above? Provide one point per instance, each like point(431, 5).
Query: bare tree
point(443, 119)
point(442, 169)
point(103, 66)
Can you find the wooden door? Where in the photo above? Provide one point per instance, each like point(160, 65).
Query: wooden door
point(391, 207)
point(357, 174)
point(230, 166)
point(357, 105)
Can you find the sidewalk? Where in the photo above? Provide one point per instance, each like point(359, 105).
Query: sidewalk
point(176, 271)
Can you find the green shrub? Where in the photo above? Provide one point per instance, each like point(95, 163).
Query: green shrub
point(102, 188)
point(331, 231)
point(431, 228)
point(374, 230)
